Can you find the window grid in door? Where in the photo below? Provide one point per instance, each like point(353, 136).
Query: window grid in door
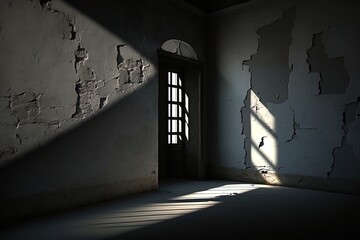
point(175, 108)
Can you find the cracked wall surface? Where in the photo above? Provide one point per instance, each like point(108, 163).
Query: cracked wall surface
point(269, 66)
point(286, 90)
point(333, 75)
point(49, 95)
point(79, 95)
point(348, 150)
point(63, 95)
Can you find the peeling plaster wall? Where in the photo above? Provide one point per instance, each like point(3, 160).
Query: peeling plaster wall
point(285, 86)
point(78, 99)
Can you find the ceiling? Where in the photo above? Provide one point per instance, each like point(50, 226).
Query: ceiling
point(208, 6)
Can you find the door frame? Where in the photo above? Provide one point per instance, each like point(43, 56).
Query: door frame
point(166, 62)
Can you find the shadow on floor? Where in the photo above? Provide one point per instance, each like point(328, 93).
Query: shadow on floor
point(185, 209)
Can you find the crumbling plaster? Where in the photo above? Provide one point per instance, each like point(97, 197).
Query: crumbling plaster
point(43, 96)
point(79, 95)
point(308, 134)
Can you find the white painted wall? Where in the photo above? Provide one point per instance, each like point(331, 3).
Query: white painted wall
point(306, 133)
point(78, 99)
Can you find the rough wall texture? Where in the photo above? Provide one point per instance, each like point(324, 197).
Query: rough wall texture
point(38, 92)
point(286, 86)
point(78, 99)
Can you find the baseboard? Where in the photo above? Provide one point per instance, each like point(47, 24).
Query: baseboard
point(339, 185)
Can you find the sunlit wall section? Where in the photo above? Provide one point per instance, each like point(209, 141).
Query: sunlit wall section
point(263, 149)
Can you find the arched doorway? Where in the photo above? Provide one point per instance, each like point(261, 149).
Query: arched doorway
point(179, 111)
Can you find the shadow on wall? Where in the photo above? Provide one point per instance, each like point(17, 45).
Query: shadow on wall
point(144, 24)
point(131, 25)
point(268, 147)
point(103, 158)
point(107, 155)
point(110, 154)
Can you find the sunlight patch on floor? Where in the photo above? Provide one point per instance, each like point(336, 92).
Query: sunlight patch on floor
point(133, 218)
point(215, 194)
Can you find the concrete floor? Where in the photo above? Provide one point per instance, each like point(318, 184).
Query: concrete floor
point(187, 209)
